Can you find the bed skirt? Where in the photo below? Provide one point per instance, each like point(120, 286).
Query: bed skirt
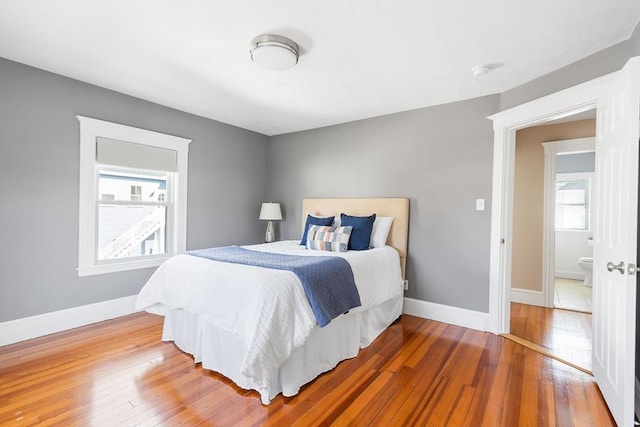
point(223, 352)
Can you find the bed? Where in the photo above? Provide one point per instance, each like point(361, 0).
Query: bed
point(256, 326)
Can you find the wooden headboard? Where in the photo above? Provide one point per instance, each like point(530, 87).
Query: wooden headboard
point(396, 207)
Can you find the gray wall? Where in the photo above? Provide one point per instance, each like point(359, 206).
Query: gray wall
point(600, 63)
point(39, 163)
point(438, 157)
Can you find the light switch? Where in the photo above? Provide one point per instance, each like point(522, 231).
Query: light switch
point(479, 204)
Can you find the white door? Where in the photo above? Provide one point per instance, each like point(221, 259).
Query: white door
point(615, 242)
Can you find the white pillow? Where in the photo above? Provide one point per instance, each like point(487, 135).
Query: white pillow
point(380, 231)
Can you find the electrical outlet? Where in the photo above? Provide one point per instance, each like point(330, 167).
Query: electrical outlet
point(406, 285)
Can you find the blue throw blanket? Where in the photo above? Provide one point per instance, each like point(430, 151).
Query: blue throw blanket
point(328, 281)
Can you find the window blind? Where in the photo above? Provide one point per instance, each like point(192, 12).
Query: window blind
point(131, 155)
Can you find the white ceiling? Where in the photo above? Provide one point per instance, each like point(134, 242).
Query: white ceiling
point(359, 59)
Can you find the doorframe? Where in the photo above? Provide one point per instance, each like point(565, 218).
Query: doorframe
point(561, 104)
point(551, 151)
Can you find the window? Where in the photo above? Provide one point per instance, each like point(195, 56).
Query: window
point(573, 195)
point(136, 192)
point(131, 224)
point(132, 197)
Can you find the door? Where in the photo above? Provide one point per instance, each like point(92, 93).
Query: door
point(615, 242)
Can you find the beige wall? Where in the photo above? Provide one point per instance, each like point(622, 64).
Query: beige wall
point(526, 267)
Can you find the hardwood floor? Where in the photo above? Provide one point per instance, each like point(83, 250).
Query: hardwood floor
point(418, 372)
point(566, 334)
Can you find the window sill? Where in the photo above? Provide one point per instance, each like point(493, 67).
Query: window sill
point(115, 267)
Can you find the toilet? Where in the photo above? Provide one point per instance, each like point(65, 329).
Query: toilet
point(586, 263)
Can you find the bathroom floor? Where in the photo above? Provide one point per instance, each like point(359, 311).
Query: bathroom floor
point(572, 295)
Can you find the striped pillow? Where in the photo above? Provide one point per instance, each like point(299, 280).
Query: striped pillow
point(325, 238)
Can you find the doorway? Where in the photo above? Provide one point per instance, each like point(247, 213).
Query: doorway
point(617, 98)
point(552, 161)
point(557, 106)
point(574, 204)
point(569, 203)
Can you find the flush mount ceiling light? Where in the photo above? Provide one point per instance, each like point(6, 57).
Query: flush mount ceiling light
point(481, 70)
point(274, 52)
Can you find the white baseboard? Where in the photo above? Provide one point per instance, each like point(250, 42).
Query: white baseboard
point(445, 313)
point(526, 296)
point(26, 328)
point(575, 275)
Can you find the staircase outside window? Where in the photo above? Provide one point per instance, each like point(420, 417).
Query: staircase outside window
point(132, 212)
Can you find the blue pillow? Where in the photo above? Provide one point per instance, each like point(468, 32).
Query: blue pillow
point(361, 233)
point(314, 220)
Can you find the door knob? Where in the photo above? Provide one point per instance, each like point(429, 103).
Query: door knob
point(620, 267)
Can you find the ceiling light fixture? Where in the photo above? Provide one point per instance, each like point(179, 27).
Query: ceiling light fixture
point(274, 52)
point(481, 70)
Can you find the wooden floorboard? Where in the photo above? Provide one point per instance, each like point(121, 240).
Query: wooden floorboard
point(545, 352)
point(564, 334)
point(418, 372)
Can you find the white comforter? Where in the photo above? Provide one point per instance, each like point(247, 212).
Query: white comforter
point(267, 308)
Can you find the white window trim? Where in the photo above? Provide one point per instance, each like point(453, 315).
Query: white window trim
point(90, 129)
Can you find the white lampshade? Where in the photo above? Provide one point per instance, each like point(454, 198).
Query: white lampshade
point(271, 212)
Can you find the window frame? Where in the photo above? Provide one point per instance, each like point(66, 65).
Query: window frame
point(578, 176)
point(90, 130)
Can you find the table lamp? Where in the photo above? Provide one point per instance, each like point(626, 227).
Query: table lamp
point(270, 212)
